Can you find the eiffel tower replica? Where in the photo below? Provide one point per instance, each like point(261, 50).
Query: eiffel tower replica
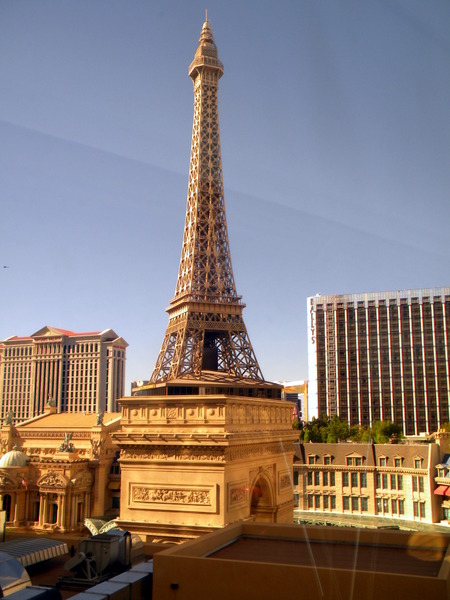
point(207, 441)
point(206, 339)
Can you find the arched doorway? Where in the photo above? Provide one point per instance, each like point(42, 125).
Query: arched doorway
point(262, 502)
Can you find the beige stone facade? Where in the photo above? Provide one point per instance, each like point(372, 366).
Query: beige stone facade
point(57, 469)
point(75, 372)
point(394, 481)
point(191, 464)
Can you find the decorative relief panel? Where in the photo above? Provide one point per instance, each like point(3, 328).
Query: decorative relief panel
point(179, 498)
point(237, 494)
point(284, 481)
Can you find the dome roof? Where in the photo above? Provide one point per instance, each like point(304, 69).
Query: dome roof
point(13, 458)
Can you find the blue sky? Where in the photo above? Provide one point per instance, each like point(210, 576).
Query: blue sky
point(335, 133)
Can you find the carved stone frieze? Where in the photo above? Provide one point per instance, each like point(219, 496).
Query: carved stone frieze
point(174, 454)
point(249, 451)
point(171, 496)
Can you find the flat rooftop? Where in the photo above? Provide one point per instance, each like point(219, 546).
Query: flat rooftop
point(335, 555)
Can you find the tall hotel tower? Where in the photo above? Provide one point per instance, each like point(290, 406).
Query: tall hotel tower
point(381, 356)
point(74, 372)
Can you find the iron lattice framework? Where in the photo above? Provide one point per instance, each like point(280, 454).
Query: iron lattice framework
point(206, 335)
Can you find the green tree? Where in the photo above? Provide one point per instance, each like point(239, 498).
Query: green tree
point(337, 430)
point(383, 431)
point(360, 433)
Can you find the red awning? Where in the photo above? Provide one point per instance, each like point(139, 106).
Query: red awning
point(442, 491)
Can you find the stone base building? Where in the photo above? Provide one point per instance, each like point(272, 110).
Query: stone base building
point(194, 463)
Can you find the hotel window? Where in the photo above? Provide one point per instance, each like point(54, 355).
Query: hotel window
point(393, 482)
point(363, 479)
point(325, 478)
point(399, 482)
point(401, 507)
point(326, 502)
point(397, 462)
point(332, 478)
point(355, 503)
point(384, 478)
point(345, 479)
point(327, 460)
point(310, 501)
point(354, 461)
point(316, 501)
point(311, 460)
point(309, 477)
point(385, 505)
point(416, 509)
point(378, 504)
point(316, 478)
point(422, 510)
point(333, 501)
point(354, 479)
point(418, 463)
point(394, 505)
point(382, 462)
point(364, 504)
point(346, 502)
point(418, 484)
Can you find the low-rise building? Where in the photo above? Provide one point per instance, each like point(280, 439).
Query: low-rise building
point(58, 469)
point(394, 481)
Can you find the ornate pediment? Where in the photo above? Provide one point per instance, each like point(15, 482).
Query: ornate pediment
point(6, 482)
point(53, 480)
point(83, 480)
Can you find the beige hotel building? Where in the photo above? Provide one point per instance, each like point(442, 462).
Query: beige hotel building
point(75, 372)
point(381, 356)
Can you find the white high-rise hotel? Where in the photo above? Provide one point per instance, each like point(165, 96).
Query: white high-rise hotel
point(75, 372)
point(381, 356)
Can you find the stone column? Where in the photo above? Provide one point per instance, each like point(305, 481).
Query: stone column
point(42, 507)
point(58, 516)
point(62, 518)
point(16, 508)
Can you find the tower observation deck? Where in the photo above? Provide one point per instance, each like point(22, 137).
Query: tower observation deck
point(206, 339)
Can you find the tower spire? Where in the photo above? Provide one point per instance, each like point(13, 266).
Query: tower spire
point(206, 337)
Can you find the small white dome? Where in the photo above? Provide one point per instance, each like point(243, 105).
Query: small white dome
point(13, 458)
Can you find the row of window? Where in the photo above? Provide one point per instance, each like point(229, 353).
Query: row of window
point(357, 461)
point(396, 481)
point(355, 479)
point(328, 500)
point(384, 506)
